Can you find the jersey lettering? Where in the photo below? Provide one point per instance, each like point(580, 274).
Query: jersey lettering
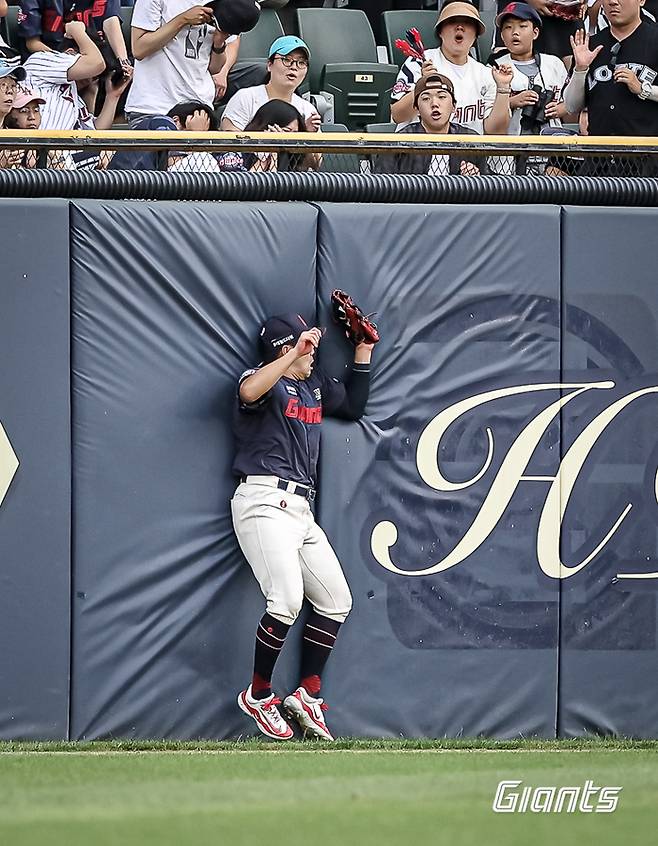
point(470, 113)
point(303, 413)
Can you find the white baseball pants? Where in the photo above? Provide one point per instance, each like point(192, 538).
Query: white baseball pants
point(288, 553)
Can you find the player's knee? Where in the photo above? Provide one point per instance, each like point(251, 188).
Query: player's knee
point(340, 606)
point(286, 608)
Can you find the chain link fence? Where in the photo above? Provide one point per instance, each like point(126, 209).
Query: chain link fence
point(338, 153)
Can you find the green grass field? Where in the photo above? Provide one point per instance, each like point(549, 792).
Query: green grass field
point(352, 792)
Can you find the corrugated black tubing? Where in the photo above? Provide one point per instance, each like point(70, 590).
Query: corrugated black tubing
point(331, 187)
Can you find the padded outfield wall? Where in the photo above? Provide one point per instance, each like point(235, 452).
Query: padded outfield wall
point(495, 511)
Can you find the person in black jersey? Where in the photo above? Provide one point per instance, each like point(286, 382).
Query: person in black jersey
point(614, 76)
point(280, 407)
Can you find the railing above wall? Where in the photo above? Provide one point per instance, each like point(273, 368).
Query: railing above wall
point(330, 166)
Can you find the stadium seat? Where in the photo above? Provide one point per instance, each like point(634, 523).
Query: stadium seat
point(256, 44)
point(485, 42)
point(397, 23)
point(339, 162)
point(381, 127)
point(344, 65)
point(11, 23)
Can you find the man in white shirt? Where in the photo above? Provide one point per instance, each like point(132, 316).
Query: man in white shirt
point(177, 47)
point(482, 94)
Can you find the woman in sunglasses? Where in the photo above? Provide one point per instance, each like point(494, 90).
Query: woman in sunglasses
point(287, 67)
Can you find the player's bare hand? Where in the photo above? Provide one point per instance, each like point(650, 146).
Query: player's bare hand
point(582, 55)
point(628, 77)
point(308, 341)
point(503, 75)
point(523, 99)
point(196, 16)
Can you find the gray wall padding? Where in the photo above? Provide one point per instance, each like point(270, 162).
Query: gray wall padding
point(471, 650)
point(609, 651)
point(35, 517)
point(166, 300)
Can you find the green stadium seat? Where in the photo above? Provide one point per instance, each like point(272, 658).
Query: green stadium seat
point(256, 44)
point(381, 127)
point(397, 23)
point(344, 64)
point(11, 23)
point(484, 43)
point(339, 162)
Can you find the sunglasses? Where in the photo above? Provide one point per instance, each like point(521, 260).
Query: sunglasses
point(614, 53)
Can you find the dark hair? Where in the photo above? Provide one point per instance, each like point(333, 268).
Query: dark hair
point(275, 111)
point(184, 110)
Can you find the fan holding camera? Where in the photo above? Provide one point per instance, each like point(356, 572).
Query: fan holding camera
point(538, 77)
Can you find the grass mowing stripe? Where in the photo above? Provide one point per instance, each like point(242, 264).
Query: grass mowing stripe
point(377, 798)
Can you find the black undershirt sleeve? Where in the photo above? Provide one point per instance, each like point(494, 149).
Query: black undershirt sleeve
point(357, 388)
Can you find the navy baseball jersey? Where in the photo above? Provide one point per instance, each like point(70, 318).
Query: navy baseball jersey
point(279, 435)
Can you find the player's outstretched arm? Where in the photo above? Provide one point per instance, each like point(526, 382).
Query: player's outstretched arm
point(266, 377)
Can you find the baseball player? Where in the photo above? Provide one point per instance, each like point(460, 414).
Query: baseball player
point(281, 404)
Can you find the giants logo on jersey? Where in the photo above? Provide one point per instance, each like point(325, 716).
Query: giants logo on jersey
point(305, 413)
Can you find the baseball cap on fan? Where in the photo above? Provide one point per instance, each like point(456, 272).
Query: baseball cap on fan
point(522, 11)
point(280, 331)
point(435, 82)
point(286, 44)
point(235, 16)
point(10, 64)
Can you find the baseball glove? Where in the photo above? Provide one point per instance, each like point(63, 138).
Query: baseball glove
point(358, 326)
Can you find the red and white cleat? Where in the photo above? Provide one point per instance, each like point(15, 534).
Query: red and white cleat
point(266, 715)
point(308, 712)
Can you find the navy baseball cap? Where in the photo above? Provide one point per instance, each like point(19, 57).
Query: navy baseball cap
point(235, 16)
point(519, 10)
point(280, 331)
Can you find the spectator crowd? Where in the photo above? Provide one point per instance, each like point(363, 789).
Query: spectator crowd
point(590, 64)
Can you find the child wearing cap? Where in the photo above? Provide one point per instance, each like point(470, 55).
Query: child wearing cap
point(287, 67)
point(482, 93)
point(539, 77)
